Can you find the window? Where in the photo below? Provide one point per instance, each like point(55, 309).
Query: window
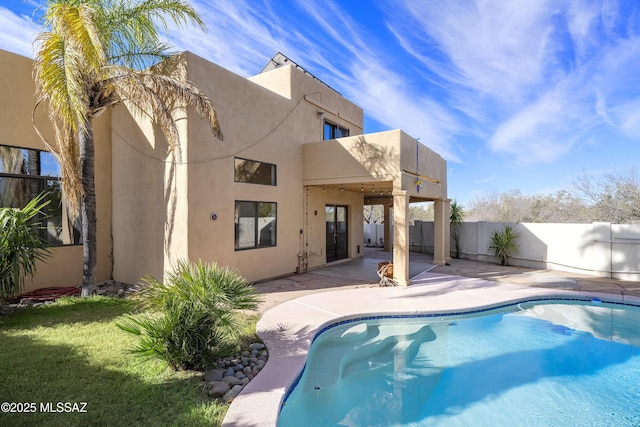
point(332, 131)
point(25, 173)
point(255, 224)
point(254, 172)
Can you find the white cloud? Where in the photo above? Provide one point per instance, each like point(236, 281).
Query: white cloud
point(383, 96)
point(496, 48)
point(17, 32)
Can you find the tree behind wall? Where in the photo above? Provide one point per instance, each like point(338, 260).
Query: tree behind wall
point(95, 54)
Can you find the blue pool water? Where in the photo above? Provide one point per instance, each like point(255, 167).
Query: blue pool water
point(545, 364)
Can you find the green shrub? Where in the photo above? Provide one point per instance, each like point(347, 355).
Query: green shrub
point(503, 244)
point(20, 245)
point(191, 319)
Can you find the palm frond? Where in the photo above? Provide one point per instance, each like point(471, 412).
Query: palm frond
point(20, 245)
point(133, 27)
point(91, 57)
point(59, 80)
point(161, 95)
point(196, 308)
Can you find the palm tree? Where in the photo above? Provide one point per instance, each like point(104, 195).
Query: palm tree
point(95, 54)
point(455, 217)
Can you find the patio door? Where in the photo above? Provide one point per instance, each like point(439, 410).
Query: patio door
point(336, 225)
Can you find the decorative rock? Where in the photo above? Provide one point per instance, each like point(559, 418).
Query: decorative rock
point(214, 375)
point(232, 381)
point(231, 374)
point(231, 394)
point(218, 388)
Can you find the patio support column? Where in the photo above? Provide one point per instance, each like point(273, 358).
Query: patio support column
point(387, 228)
point(441, 235)
point(401, 237)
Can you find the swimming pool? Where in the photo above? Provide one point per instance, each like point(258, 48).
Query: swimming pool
point(560, 362)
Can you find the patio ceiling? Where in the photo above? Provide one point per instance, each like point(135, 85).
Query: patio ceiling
point(374, 193)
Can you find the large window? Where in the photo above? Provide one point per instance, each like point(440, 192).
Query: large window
point(332, 131)
point(255, 224)
point(25, 173)
point(254, 172)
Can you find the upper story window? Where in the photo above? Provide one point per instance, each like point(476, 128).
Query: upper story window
point(254, 172)
point(25, 173)
point(332, 131)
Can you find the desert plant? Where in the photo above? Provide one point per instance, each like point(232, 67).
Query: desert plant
point(503, 244)
point(191, 318)
point(20, 245)
point(455, 217)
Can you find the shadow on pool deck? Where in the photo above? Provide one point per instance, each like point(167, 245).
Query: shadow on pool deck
point(362, 272)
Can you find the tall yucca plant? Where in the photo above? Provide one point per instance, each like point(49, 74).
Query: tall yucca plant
point(95, 54)
point(20, 245)
point(191, 317)
point(456, 215)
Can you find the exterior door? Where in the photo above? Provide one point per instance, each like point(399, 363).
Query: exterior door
point(336, 232)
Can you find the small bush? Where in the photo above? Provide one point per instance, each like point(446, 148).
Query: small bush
point(20, 245)
point(190, 320)
point(503, 244)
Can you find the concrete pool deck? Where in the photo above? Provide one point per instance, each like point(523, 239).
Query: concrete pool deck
point(296, 307)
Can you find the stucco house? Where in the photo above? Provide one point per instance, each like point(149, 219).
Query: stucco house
point(282, 193)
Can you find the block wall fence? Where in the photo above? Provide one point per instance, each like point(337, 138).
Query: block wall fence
point(600, 249)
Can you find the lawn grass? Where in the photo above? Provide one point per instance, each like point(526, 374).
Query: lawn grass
point(72, 351)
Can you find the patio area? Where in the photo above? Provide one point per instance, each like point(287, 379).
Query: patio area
point(296, 307)
point(362, 272)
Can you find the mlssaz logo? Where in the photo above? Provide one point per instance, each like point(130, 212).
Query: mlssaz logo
point(63, 407)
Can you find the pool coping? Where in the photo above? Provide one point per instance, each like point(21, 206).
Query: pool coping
point(289, 328)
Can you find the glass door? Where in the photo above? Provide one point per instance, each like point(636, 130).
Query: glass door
point(336, 232)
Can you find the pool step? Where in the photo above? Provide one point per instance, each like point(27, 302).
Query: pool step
point(362, 348)
point(379, 354)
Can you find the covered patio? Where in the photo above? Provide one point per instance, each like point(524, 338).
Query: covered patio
point(391, 169)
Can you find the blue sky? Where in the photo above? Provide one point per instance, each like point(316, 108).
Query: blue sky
point(513, 94)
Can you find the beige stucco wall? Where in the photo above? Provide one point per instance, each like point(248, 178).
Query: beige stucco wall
point(314, 241)
point(266, 118)
point(404, 171)
point(376, 157)
point(64, 268)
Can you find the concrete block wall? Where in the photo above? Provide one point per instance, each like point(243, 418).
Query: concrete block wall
point(600, 249)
